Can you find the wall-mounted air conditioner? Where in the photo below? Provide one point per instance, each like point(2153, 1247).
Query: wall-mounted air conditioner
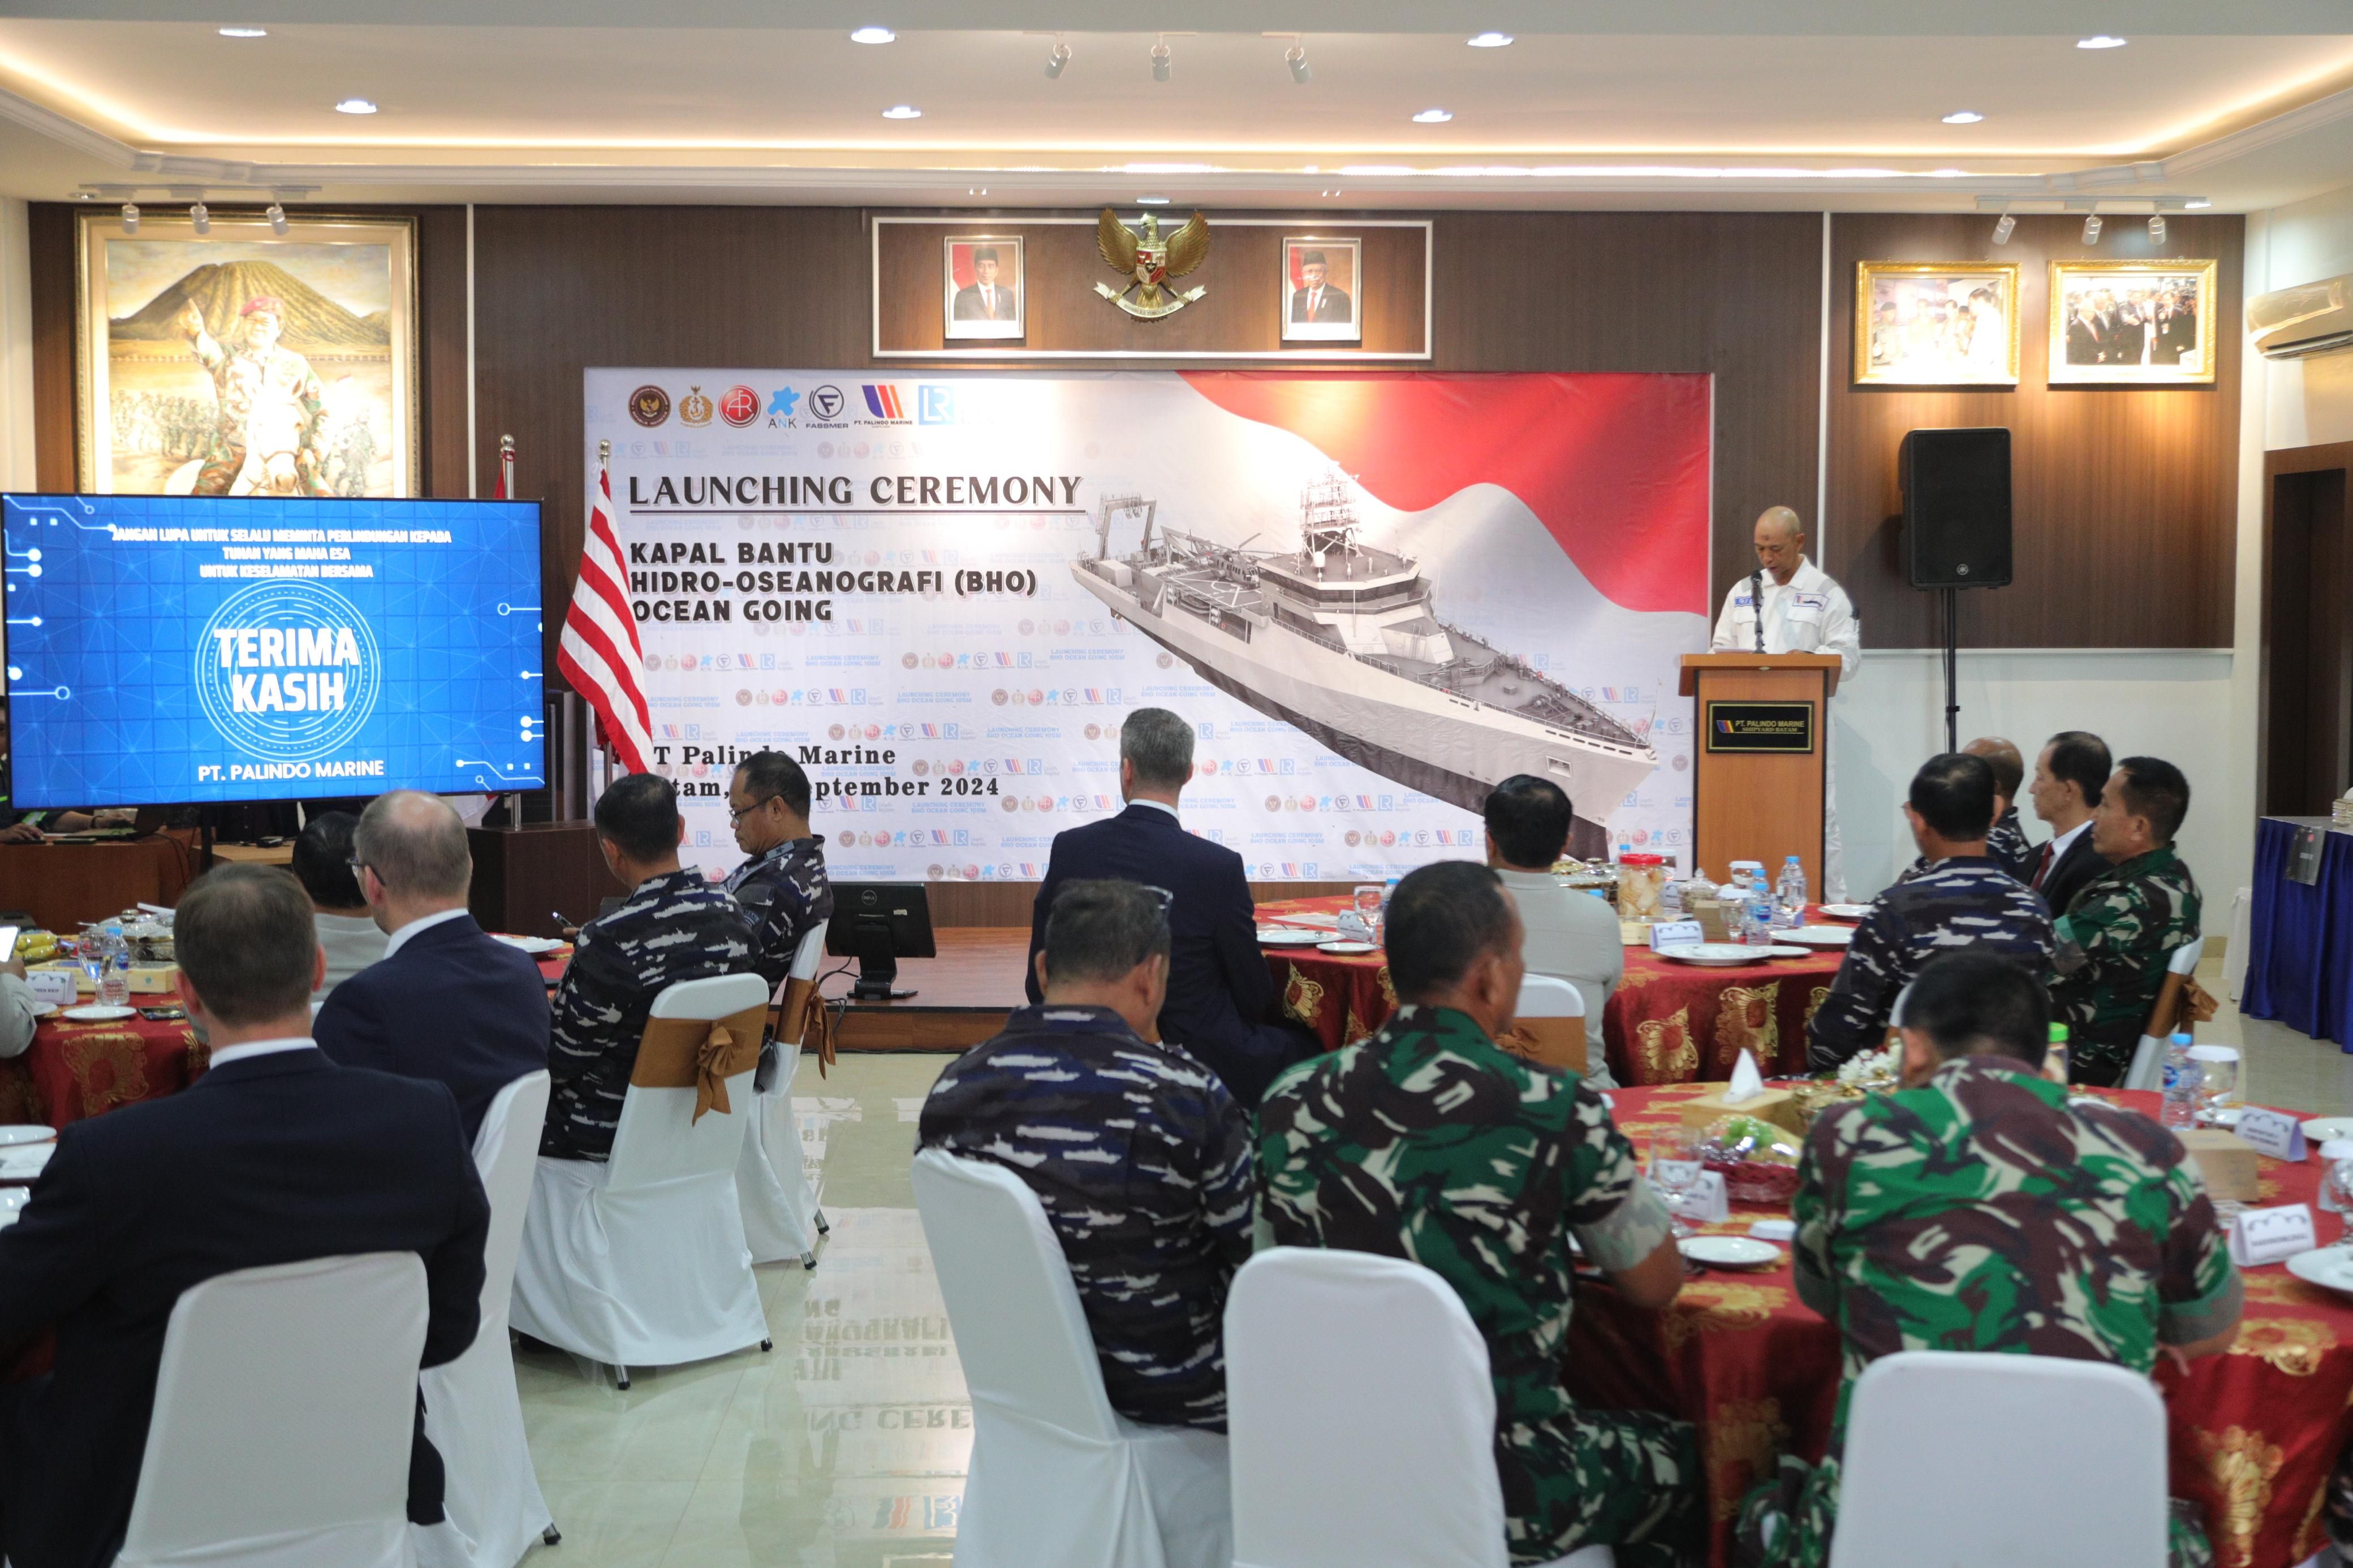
point(2310, 318)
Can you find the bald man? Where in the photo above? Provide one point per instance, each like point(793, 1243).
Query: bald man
point(1790, 605)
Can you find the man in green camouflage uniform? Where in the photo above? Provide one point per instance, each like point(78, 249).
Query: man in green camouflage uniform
point(1978, 1209)
point(2116, 936)
point(1429, 1143)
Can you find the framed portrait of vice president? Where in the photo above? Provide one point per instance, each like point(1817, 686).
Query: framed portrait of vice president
point(1322, 279)
point(986, 295)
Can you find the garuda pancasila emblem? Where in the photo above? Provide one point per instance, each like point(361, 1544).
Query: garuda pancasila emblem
point(1149, 262)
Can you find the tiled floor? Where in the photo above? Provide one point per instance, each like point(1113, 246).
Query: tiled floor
point(845, 1448)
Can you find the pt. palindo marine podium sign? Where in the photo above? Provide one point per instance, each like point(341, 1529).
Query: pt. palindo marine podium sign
point(1372, 596)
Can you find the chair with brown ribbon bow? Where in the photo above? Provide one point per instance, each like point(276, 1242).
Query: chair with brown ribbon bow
point(781, 1218)
point(1549, 1025)
point(641, 1260)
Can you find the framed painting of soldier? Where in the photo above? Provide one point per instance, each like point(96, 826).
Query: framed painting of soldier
point(239, 363)
point(986, 295)
point(2147, 323)
point(1321, 281)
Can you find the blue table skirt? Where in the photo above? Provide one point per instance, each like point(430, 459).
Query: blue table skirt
point(2300, 949)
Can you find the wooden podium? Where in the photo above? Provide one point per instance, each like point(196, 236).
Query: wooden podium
point(1763, 726)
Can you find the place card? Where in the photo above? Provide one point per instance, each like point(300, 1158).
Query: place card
point(1675, 934)
point(2269, 1235)
point(1706, 1202)
point(53, 987)
point(2280, 1136)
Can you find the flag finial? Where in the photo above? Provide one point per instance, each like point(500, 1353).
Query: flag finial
point(603, 451)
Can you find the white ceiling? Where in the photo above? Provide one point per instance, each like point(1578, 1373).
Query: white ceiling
point(1835, 103)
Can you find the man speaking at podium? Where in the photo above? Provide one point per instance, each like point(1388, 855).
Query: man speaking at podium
point(1789, 604)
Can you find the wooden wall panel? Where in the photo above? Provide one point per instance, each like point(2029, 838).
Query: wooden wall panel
point(49, 237)
point(2125, 500)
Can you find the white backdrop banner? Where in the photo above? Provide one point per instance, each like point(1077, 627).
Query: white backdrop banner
point(1371, 595)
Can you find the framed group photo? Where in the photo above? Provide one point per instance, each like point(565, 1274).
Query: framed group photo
point(2141, 322)
point(1935, 324)
point(1321, 281)
point(986, 292)
point(239, 363)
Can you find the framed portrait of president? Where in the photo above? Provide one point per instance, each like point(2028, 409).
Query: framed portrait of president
point(986, 295)
point(1322, 279)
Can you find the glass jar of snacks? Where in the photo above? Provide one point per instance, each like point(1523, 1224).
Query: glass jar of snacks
point(1640, 880)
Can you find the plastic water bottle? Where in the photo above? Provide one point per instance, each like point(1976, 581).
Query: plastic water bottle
point(1792, 893)
point(2054, 1055)
point(1757, 925)
point(114, 981)
point(2181, 1076)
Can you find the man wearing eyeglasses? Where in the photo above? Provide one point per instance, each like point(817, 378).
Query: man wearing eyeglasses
point(783, 887)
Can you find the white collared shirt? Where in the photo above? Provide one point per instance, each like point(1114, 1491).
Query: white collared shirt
point(2066, 841)
point(1157, 805)
point(1809, 613)
point(422, 922)
point(223, 1055)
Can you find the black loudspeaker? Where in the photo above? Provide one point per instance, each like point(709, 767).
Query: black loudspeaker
point(1956, 508)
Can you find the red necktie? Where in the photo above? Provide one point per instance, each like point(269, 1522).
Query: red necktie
point(2041, 867)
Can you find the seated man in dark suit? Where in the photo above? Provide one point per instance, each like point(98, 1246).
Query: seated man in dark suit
point(445, 1001)
point(2068, 778)
point(275, 1155)
point(1219, 988)
point(672, 926)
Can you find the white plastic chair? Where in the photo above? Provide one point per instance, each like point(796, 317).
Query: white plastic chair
point(1326, 1352)
point(2088, 1490)
point(472, 1413)
point(781, 1218)
point(2148, 1070)
point(1057, 1478)
point(1547, 996)
point(283, 1412)
point(640, 1260)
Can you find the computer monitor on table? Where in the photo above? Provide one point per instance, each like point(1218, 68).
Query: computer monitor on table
point(879, 924)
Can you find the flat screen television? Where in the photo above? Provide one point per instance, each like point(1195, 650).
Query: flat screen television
point(168, 650)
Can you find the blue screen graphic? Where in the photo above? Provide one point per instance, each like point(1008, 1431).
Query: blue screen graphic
point(167, 649)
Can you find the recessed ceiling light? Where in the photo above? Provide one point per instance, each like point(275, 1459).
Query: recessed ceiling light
point(1152, 201)
point(1488, 40)
point(1963, 117)
point(2198, 204)
point(902, 111)
point(355, 106)
point(2101, 41)
point(873, 36)
point(244, 32)
point(1433, 117)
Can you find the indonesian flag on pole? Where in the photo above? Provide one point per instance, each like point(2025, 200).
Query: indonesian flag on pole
point(599, 652)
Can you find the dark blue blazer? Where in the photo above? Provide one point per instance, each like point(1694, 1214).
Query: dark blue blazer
point(275, 1158)
point(451, 1005)
point(1220, 989)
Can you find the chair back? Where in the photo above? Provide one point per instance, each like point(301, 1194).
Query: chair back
point(1361, 1417)
point(809, 954)
point(2088, 1490)
point(506, 1147)
point(1549, 1026)
point(659, 1139)
point(2146, 1070)
point(1019, 1329)
point(283, 1407)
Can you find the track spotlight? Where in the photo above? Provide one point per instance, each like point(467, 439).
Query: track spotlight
point(131, 218)
point(2002, 228)
point(201, 215)
point(1296, 58)
point(2092, 229)
point(1160, 59)
point(1056, 59)
point(276, 216)
point(2157, 228)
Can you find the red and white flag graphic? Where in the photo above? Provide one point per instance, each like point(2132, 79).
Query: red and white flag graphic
point(599, 652)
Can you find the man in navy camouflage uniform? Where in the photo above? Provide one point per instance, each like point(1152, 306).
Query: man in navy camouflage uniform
point(1136, 1151)
point(1961, 899)
point(673, 926)
point(782, 888)
point(2116, 936)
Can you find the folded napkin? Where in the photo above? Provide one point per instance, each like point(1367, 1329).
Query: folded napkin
point(701, 1054)
point(1747, 1083)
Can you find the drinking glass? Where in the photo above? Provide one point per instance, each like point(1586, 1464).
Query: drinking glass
point(1676, 1169)
point(1369, 897)
point(2216, 1084)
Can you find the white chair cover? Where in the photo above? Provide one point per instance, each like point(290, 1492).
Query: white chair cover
point(283, 1411)
point(1057, 1480)
point(779, 1206)
point(1548, 996)
point(640, 1260)
point(2234, 948)
point(2087, 1491)
point(472, 1413)
point(2148, 1070)
point(1324, 1351)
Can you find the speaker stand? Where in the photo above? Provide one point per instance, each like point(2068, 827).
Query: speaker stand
point(1952, 668)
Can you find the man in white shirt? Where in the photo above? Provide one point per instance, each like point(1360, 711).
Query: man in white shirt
point(348, 934)
point(2069, 778)
point(1567, 933)
point(1789, 604)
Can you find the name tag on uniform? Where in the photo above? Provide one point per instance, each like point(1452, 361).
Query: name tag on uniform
point(1806, 607)
point(2267, 1235)
point(1743, 601)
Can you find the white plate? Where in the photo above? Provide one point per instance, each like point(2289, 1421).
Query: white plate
point(1346, 947)
point(1778, 950)
point(1819, 936)
point(2321, 1129)
point(91, 1013)
point(31, 1134)
point(1276, 936)
point(1729, 1251)
point(535, 945)
point(1846, 911)
point(24, 1161)
point(1713, 954)
point(2330, 1268)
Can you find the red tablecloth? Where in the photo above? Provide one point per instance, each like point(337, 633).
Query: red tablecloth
point(2255, 1432)
point(1666, 1023)
point(75, 1071)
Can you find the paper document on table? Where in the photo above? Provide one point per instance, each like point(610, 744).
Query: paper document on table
point(1747, 1083)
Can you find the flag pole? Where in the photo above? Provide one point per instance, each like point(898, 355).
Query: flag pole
point(506, 467)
